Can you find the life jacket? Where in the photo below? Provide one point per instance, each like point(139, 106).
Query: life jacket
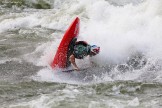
point(81, 49)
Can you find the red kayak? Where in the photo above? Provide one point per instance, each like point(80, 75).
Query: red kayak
point(61, 58)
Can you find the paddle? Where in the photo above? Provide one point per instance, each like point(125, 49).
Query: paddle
point(71, 70)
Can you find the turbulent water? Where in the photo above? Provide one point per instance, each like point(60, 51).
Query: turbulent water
point(127, 72)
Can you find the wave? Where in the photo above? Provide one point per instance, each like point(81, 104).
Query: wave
point(49, 4)
point(128, 32)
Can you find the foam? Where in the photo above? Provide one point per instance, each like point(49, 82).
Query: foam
point(118, 30)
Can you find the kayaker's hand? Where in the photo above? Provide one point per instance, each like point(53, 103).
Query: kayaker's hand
point(77, 69)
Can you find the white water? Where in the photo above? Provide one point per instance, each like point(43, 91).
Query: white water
point(120, 27)
point(120, 31)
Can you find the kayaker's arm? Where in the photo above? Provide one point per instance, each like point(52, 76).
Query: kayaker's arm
point(72, 60)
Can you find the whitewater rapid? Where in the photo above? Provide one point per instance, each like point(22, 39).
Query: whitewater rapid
point(123, 32)
point(128, 69)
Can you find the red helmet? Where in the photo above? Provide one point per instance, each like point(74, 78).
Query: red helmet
point(95, 49)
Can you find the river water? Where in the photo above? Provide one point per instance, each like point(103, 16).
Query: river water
point(127, 72)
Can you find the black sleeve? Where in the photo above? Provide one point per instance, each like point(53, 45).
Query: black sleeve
point(82, 43)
